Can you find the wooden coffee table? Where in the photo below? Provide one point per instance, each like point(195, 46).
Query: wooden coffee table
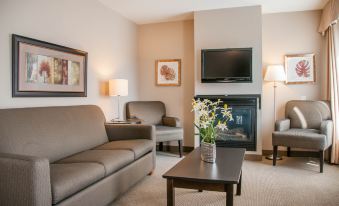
point(193, 173)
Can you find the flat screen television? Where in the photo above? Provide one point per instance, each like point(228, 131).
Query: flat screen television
point(226, 65)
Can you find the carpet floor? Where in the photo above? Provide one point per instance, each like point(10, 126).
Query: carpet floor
point(294, 181)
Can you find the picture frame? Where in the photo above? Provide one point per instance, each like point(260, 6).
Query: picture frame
point(168, 72)
point(300, 68)
point(43, 69)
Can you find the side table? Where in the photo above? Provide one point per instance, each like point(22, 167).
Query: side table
point(123, 122)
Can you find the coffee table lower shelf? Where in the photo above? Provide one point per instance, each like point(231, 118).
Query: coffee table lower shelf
point(173, 183)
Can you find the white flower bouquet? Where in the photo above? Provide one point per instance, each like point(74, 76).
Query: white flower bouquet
point(210, 117)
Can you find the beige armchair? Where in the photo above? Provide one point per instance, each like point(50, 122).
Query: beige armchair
point(154, 113)
point(308, 125)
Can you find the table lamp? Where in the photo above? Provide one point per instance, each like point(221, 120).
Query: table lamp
point(118, 87)
point(275, 73)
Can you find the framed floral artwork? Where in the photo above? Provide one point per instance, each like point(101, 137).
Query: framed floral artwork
point(300, 68)
point(42, 69)
point(168, 72)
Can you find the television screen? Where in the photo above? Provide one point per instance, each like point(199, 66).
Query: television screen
point(226, 65)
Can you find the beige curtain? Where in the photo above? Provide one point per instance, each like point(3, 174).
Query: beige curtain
point(333, 71)
point(330, 26)
point(329, 16)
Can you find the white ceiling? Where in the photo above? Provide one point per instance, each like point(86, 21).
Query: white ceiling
point(150, 11)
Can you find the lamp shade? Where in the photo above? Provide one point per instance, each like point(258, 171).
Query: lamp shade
point(275, 73)
point(118, 87)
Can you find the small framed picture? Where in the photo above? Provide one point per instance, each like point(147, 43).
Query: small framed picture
point(168, 72)
point(300, 68)
point(43, 69)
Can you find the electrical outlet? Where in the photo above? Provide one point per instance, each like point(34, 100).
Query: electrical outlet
point(303, 98)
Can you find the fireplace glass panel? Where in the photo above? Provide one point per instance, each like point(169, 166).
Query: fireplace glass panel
point(240, 128)
point(242, 132)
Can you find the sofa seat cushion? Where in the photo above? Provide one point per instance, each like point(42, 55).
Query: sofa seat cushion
point(164, 133)
point(112, 160)
point(300, 138)
point(68, 179)
point(138, 146)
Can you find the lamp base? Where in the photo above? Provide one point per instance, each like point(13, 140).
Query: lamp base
point(270, 157)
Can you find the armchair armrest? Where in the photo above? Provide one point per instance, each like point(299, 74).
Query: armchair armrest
point(326, 128)
point(130, 131)
point(171, 121)
point(282, 125)
point(25, 180)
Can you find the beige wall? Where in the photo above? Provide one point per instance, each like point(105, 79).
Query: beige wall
point(278, 34)
point(172, 40)
point(230, 28)
point(289, 33)
point(109, 39)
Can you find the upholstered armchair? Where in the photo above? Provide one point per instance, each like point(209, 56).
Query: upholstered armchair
point(308, 125)
point(154, 113)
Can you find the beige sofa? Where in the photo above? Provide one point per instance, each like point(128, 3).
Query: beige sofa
point(69, 156)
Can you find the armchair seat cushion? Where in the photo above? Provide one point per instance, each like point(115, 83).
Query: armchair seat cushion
point(68, 179)
point(300, 138)
point(138, 146)
point(112, 160)
point(164, 133)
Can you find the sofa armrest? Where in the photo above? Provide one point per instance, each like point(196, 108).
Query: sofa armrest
point(171, 121)
point(326, 128)
point(282, 125)
point(135, 120)
point(130, 131)
point(25, 180)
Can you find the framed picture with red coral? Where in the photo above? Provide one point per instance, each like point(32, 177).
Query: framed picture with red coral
point(168, 72)
point(300, 68)
point(43, 69)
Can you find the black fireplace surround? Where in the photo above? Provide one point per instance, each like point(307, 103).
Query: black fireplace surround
point(242, 131)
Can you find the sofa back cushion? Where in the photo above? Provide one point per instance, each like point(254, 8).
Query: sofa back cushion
point(149, 112)
point(307, 114)
point(51, 132)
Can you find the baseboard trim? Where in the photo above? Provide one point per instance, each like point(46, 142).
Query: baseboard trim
point(253, 157)
point(187, 149)
point(293, 153)
point(250, 157)
point(175, 149)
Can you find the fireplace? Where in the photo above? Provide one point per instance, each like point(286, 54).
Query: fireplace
point(242, 131)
